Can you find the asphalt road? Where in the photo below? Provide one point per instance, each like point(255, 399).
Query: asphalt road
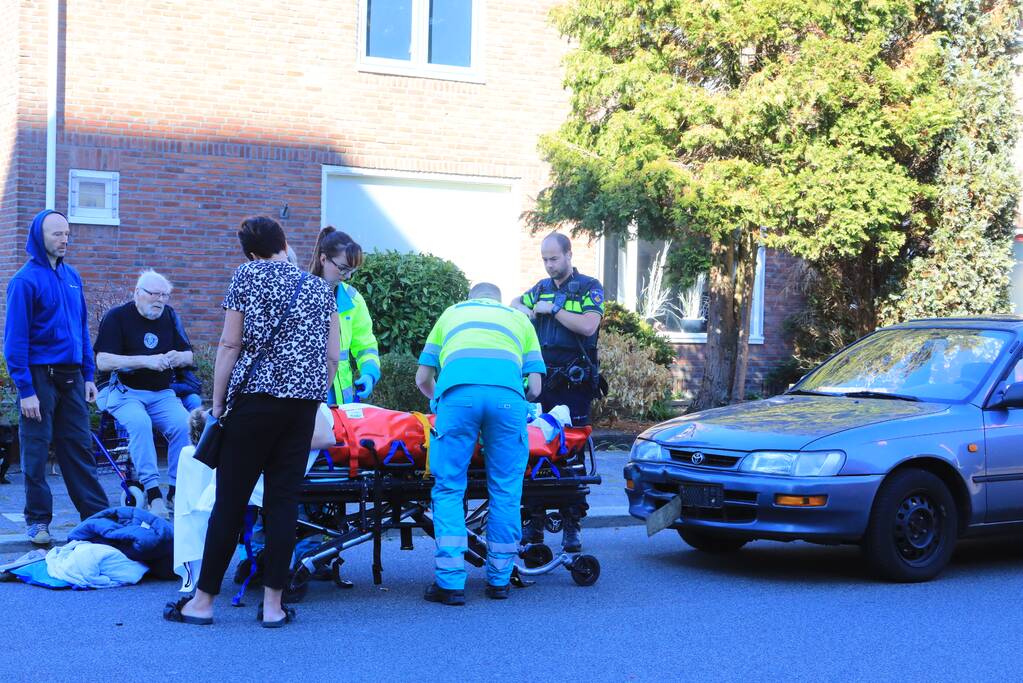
point(659, 611)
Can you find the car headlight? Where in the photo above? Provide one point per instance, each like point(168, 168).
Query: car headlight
point(646, 450)
point(788, 464)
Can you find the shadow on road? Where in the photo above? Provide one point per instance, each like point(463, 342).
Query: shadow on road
point(805, 563)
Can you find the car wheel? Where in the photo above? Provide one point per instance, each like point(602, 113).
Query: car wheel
point(709, 543)
point(913, 527)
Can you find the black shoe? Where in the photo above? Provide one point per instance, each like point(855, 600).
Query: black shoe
point(444, 596)
point(498, 592)
point(570, 541)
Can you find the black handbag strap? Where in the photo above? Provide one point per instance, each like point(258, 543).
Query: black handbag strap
point(269, 342)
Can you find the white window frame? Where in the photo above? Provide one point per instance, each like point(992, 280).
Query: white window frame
point(90, 216)
point(418, 65)
point(630, 297)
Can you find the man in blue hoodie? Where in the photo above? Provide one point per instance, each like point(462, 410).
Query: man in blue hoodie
point(49, 357)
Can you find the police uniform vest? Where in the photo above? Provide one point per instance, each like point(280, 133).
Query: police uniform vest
point(578, 294)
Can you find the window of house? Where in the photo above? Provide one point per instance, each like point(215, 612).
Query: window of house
point(93, 197)
point(431, 38)
point(634, 275)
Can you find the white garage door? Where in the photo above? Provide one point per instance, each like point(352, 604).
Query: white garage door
point(470, 221)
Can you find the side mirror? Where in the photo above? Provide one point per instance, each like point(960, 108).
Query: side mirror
point(1010, 397)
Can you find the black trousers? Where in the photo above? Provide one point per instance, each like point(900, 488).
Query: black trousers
point(269, 436)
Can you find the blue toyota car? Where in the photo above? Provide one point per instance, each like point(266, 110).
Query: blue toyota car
point(901, 443)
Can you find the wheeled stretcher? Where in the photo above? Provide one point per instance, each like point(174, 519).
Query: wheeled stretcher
point(377, 479)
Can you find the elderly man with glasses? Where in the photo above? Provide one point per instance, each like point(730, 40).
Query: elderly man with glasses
point(138, 346)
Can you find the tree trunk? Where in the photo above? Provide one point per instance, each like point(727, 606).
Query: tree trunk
point(722, 328)
point(745, 276)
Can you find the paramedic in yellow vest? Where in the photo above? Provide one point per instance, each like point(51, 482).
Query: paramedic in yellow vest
point(335, 257)
point(472, 370)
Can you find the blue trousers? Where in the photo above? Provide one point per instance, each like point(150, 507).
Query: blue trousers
point(463, 413)
point(139, 411)
point(65, 426)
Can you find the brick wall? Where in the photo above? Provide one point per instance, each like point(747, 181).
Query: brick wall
point(8, 131)
point(212, 111)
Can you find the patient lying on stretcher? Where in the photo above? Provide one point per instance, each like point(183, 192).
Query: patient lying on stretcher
point(196, 492)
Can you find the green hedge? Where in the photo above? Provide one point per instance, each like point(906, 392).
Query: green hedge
point(406, 293)
point(619, 319)
point(397, 387)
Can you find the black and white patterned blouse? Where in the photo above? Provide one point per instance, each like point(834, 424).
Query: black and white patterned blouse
point(296, 364)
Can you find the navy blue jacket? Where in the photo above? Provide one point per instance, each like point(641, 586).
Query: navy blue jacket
point(137, 533)
point(47, 321)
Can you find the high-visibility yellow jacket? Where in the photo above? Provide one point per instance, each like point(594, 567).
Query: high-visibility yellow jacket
point(357, 343)
point(482, 342)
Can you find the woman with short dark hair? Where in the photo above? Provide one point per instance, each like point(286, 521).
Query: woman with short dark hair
point(278, 348)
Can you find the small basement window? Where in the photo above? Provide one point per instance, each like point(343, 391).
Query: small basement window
point(92, 197)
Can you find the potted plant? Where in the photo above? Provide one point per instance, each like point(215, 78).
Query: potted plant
point(690, 306)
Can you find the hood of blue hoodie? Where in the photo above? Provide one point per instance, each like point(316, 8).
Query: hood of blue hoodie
point(35, 246)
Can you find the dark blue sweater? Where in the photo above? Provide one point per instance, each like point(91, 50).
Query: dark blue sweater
point(47, 321)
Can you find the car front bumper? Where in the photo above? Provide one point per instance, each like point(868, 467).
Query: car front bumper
point(749, 510)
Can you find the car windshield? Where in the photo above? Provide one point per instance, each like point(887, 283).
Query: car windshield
point(910, 364)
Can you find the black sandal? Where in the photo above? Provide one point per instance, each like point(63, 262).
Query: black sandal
point(289, 616)
point(172, 612)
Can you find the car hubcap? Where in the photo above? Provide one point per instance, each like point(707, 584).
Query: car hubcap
point(918, 528)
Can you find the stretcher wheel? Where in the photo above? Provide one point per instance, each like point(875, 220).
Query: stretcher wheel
point(585, 570)
point(553, 522)
point(537, 555)
point(324, 514)
point(134, 497)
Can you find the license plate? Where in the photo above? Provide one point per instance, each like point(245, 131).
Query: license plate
point(664, 516)
point(702, 496)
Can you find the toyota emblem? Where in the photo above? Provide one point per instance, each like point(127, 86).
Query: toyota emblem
point(697, 458)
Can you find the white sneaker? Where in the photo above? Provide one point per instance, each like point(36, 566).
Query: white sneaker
point(159, 508)
point(39, 534)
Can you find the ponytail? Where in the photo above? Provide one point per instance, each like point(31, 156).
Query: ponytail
point(331, 243)
point(315, 267)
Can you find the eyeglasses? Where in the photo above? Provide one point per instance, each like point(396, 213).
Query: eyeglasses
point(344, 270)
point(158, 295)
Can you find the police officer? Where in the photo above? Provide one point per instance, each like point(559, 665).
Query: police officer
point(566, 310)
point(472, 368)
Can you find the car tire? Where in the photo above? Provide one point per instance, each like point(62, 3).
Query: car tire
point(709, 543)
point(913, 527)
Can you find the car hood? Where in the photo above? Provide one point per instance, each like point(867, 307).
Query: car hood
point(783, 422)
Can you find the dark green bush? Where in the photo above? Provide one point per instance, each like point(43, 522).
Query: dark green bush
point(406, 293)
point(203, 358)
point(397, 387)
point(10, 406)
point(619, 319)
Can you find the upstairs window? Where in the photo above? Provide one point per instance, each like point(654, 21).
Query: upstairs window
point(430, 38)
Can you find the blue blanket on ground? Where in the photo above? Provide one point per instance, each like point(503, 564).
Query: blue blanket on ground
point(137, 533)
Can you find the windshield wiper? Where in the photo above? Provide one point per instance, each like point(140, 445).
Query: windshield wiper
point(807, 392)
point(880, 394)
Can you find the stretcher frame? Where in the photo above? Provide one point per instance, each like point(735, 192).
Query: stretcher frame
point(350, 511)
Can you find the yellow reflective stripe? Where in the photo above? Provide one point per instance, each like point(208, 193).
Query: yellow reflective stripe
point(427, 427)
point(480, 325)
point(573, 307)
